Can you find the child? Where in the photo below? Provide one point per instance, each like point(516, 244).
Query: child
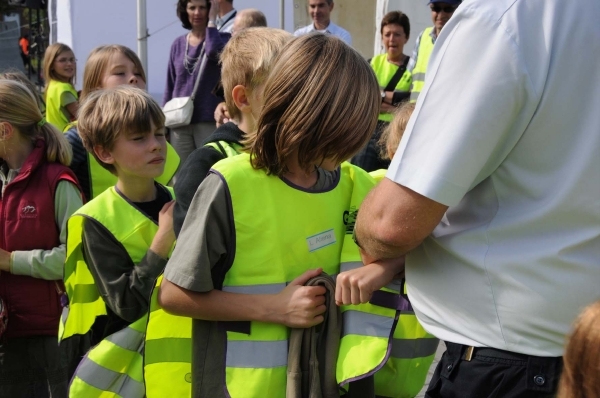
point(107, 67)
point(246, 62)
point(19, 76)
point(120, 241)
point(262, 224)
point(39, 194)
point(60, 67)
point(412, 349)
point(582, 357)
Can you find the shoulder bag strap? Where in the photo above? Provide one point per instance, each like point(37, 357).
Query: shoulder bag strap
point(203, 59)
point(391, 86)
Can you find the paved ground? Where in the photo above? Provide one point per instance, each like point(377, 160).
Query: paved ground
point(438, 355)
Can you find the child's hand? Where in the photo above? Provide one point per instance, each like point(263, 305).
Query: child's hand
point(165, 236)
point(299, 306)
point(357, 286)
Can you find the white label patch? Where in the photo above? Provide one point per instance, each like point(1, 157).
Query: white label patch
point(321, 240)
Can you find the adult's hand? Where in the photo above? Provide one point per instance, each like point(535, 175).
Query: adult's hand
point(214, 10)
point(221, 114)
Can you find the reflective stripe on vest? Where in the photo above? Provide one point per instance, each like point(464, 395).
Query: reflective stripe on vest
point(129, 226)
point(168, 352)
point(385, 70)
point(113, 368)
point(274, 246)
point(102, 179)
point(231, 149)
point(418, 73)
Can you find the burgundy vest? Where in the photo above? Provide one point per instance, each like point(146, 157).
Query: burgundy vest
point(27, 222)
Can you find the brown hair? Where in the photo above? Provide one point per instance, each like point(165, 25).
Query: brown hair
point(183, 15)
point(392, 134)
point(19, 108)
point(106, 114)
point(50, 55)
point(248, 58)
point(96, 64)
point(397, 18)
point(582, 357)
point(313, 108)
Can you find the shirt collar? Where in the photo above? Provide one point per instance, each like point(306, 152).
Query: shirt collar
point(220, 20)
point(329, 29)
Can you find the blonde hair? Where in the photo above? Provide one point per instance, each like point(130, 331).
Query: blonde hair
point(251, 18)
point(392, 134)
point(50, 55)
point(321, 102)
point(106, 114)
point(97, 62)
point(579, 378)
point(17, 75)
point(19, 108)
point(247, 60)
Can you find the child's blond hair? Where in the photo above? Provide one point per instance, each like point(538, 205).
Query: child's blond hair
point(52, 52)
point(106, 114)
point(97, 62)
point(392, 134)
point(18, 107)
point(313, 110)
point(247, 60)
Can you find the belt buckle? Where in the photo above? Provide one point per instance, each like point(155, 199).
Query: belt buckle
point(469, 353)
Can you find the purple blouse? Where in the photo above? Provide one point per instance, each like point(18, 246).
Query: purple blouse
point(181, 84)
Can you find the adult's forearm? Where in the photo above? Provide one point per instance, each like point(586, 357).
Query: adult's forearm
point(216, 305)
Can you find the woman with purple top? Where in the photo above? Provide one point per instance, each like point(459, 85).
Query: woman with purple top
point(184, 64)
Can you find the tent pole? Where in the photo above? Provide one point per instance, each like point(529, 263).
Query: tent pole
point(142, 34)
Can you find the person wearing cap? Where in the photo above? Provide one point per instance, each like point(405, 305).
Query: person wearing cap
point(320, 12)
point(441, 11)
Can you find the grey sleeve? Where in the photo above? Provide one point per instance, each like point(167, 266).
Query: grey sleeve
point(124, 286)
point(205, 238)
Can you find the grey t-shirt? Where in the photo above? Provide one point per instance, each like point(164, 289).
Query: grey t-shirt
point(203, 244)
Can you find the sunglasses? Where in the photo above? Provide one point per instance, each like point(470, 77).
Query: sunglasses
point(447, 10)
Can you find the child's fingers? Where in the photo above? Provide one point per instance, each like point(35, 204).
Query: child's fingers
point(306, 276)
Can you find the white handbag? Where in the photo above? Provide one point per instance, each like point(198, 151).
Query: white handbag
point(178, 111)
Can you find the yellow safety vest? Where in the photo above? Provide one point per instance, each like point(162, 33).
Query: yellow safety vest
point(280, 242)
point(418, 73)
point(54, 112)
point(384, 71)
point(378, 175)
point(129, 226)
point(228, 149)
point(168, 352)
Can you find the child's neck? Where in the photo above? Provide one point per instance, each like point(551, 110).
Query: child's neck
point(297, 176)
point(137, 189)
point(17, 153)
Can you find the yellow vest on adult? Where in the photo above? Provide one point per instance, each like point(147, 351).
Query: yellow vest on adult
point(168, 350)
point(281, 232)
point(102, 179)
point(135, 231)
point(385, 70)
point(54, 111)
point(418, 73)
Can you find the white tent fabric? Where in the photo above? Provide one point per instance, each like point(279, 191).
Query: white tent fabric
point(84, 25)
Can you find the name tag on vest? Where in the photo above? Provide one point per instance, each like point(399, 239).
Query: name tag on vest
point(321, 240)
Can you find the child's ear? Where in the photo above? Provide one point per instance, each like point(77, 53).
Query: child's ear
point(6, 131)
point(241, 96)
point(104, 154)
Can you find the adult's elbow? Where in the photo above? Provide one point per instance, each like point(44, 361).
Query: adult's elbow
point(167, 296)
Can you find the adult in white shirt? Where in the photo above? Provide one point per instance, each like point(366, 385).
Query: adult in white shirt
point(226, 16)
point(513, 161)
point(320, 12)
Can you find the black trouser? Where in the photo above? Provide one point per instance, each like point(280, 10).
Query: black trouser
point(493, 373)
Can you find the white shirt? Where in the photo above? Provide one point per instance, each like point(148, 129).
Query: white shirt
point(332, 29)
point(507, 133)
point(225, 23)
